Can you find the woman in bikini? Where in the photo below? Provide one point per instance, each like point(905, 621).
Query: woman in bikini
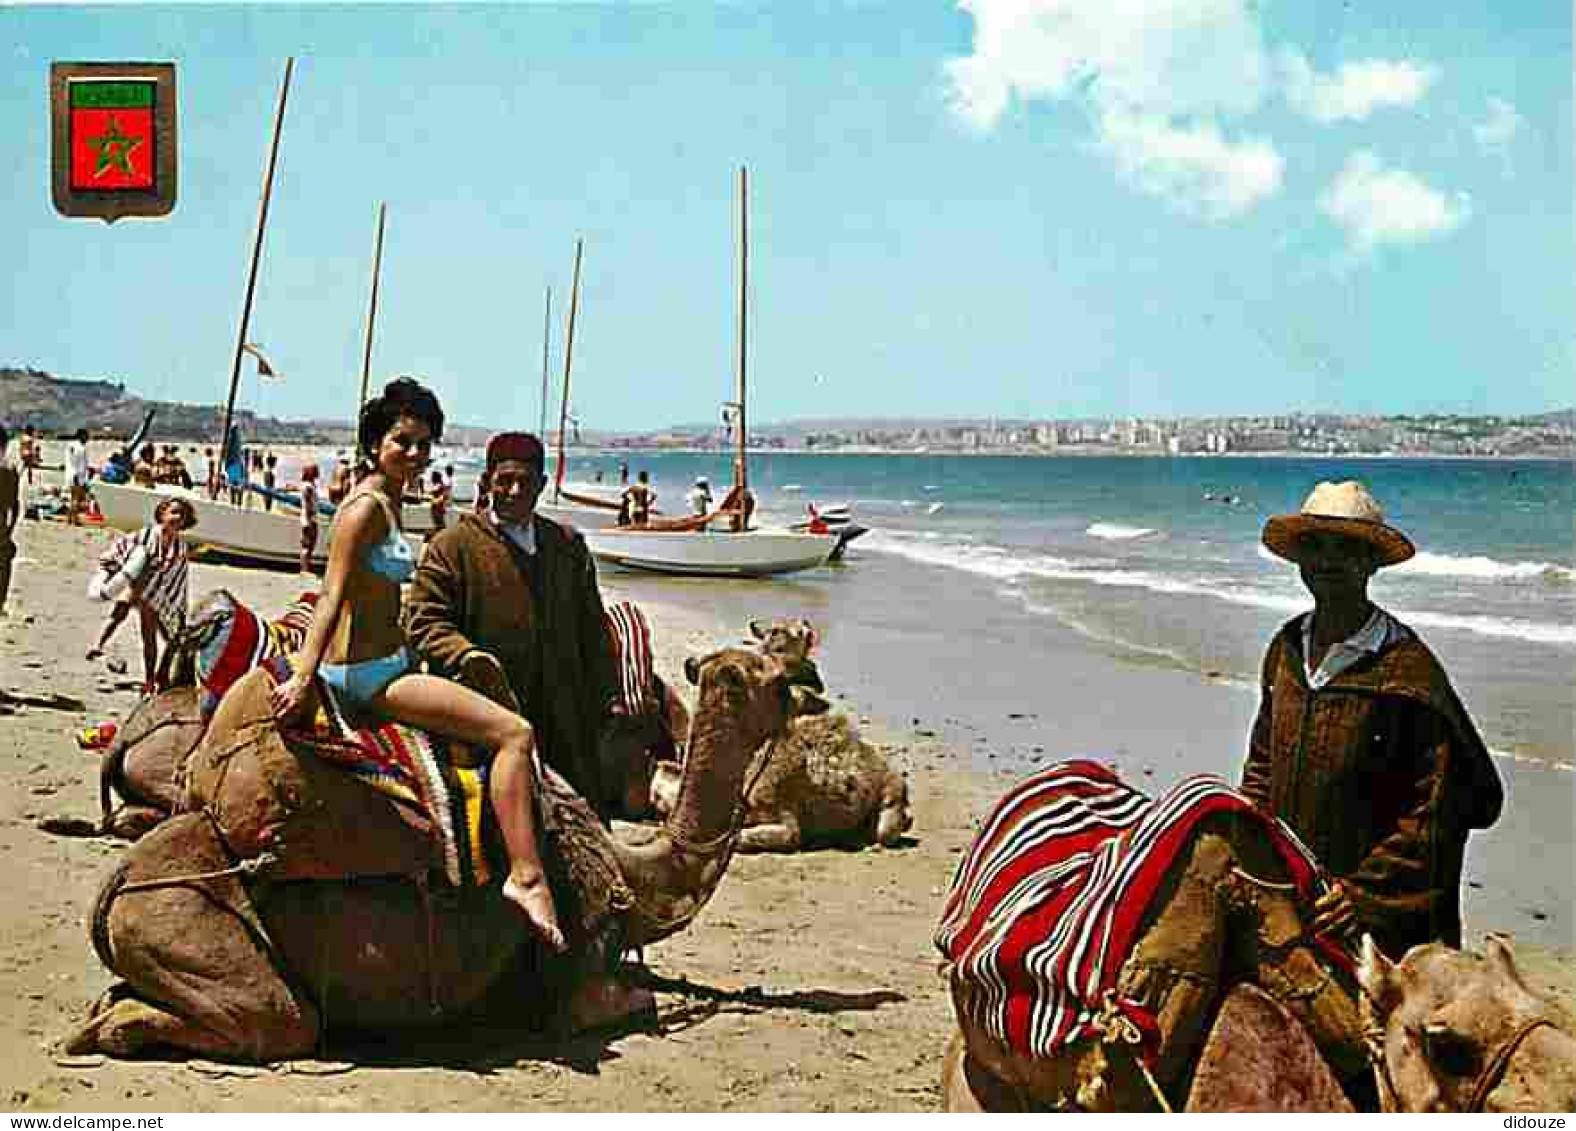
point(358, 647)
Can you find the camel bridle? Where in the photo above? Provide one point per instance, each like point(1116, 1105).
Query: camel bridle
point(1483, 1084)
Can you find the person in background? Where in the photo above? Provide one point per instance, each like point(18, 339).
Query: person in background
point(155, 561)
point(32, 452)
point(204, 465)
point(438, 499)
point(623, 473)
point(270, 480)
point(358, 646)
point(308, 515)
point(10, 512)
point(640, 499)
point(700, 497)
point(145, 471)
point(483, 499)
point(1361, 745)
point(76, 476)
point(339, 486)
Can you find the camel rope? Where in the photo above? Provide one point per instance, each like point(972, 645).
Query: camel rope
point(248, 867)
point(1494, 1070)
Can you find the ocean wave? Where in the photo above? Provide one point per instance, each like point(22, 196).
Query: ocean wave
point(1486, 568)
point(1000, 564)
point(1477, 567)
point(1116, 532)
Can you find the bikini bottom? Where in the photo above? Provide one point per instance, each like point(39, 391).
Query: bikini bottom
point(363, 680)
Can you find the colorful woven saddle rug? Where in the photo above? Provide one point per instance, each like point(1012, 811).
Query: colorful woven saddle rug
point(1046, 905)
point(235, 640)
point(444, 781)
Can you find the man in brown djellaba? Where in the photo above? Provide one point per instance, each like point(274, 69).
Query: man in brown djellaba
point(506, 602)
point(1361, 745)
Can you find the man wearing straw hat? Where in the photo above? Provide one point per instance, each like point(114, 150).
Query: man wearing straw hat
point(1361, 745)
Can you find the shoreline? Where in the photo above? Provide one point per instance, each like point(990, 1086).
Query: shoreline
point(808, 982)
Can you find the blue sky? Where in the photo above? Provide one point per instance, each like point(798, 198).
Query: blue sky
point(1040, 208)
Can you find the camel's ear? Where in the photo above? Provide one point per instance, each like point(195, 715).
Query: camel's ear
point(692, 669)
point(1376, 975)
point(1501, 956)
point(758, 629)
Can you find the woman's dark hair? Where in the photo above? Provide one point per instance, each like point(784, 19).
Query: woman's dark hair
point(402, 396)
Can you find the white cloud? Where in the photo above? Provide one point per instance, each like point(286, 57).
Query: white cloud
point(1355, 90)
point(1192, 165)
point(1500, 127)
point(1155, 74)
point(1375, 205)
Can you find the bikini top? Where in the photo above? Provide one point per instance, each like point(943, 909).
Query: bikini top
point(392, 558)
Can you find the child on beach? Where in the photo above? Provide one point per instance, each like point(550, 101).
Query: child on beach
point(308, 515)
point(357, 644)
point(147, 571)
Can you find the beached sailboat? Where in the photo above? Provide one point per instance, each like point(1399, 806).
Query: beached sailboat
point(581, 508)
point(247, 534)
point(723, 543)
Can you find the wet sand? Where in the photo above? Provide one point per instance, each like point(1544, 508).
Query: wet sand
point(808, 983)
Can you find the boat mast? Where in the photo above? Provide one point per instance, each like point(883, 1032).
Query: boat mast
point(547, 330)
point(257, 254)
point(569, 353)
point(740, 473)
point(372, 312)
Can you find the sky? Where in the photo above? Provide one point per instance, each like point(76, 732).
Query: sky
point(1014, 208)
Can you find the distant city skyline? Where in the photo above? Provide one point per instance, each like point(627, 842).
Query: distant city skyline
point(1039, 210)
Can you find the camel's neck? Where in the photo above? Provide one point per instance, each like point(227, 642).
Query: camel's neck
point(674, 876)
point(1539, 1075)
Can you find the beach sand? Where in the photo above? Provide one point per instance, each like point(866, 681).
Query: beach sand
point(808, 983)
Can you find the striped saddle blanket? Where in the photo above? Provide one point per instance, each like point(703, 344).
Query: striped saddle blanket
point(243, 640)
point(445, 781)
point(1047, 903)
point(630, 634)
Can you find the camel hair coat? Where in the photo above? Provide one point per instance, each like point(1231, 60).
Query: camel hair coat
point(540, 615)
point(1382, 774)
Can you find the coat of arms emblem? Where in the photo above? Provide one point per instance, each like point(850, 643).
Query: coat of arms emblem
point(113, 139)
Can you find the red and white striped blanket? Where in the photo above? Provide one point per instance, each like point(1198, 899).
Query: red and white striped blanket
point(1046, 905)
point(630, 633)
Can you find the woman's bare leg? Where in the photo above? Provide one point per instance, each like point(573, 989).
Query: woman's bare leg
point(151, 632)
point(456, 711)
point(117, 614)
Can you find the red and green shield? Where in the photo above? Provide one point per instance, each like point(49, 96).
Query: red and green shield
point(113, 143)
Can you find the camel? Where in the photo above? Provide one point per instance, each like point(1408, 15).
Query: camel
point(1250, 1012)
point(231, 956)
point(144, 763)
point(1456, 1031)
point(820, 783)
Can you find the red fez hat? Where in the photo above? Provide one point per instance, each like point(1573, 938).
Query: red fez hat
point(515, 446)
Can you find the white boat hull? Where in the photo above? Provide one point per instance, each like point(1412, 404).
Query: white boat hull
point(581, 518)
point(248, 533)
point(758, 553)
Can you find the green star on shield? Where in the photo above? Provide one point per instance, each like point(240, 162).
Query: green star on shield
point(114, 150)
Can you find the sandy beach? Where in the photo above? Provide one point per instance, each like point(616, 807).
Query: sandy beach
point(808, 983)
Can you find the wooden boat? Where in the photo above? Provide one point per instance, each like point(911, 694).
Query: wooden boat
point(721, 544)
point(223, 530)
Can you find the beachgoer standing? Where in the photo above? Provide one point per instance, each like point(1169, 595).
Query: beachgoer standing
point(640, 498)
point(623, 473)
point(204, 465)
point(700, 497)
point(339, 486)
point(508, 603)
point(1361, 745)
point(144, 473)
point(308, 515)
point(438, 501)
point(32, 453)
point(154, 562)
point(76, 475)
point(270, 480)
point(357, 645)
point(10, 513)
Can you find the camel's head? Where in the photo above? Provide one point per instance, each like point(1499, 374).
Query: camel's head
point(756, 689)
point(180, 665)
point(894, 818)
point(1447, 1023)
point(791, 641)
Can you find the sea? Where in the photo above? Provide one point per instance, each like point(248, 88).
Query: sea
point(1027, 609)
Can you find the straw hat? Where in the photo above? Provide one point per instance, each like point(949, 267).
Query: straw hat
point(1339, 508)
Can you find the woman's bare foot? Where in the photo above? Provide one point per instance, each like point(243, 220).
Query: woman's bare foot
point(535, 900)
